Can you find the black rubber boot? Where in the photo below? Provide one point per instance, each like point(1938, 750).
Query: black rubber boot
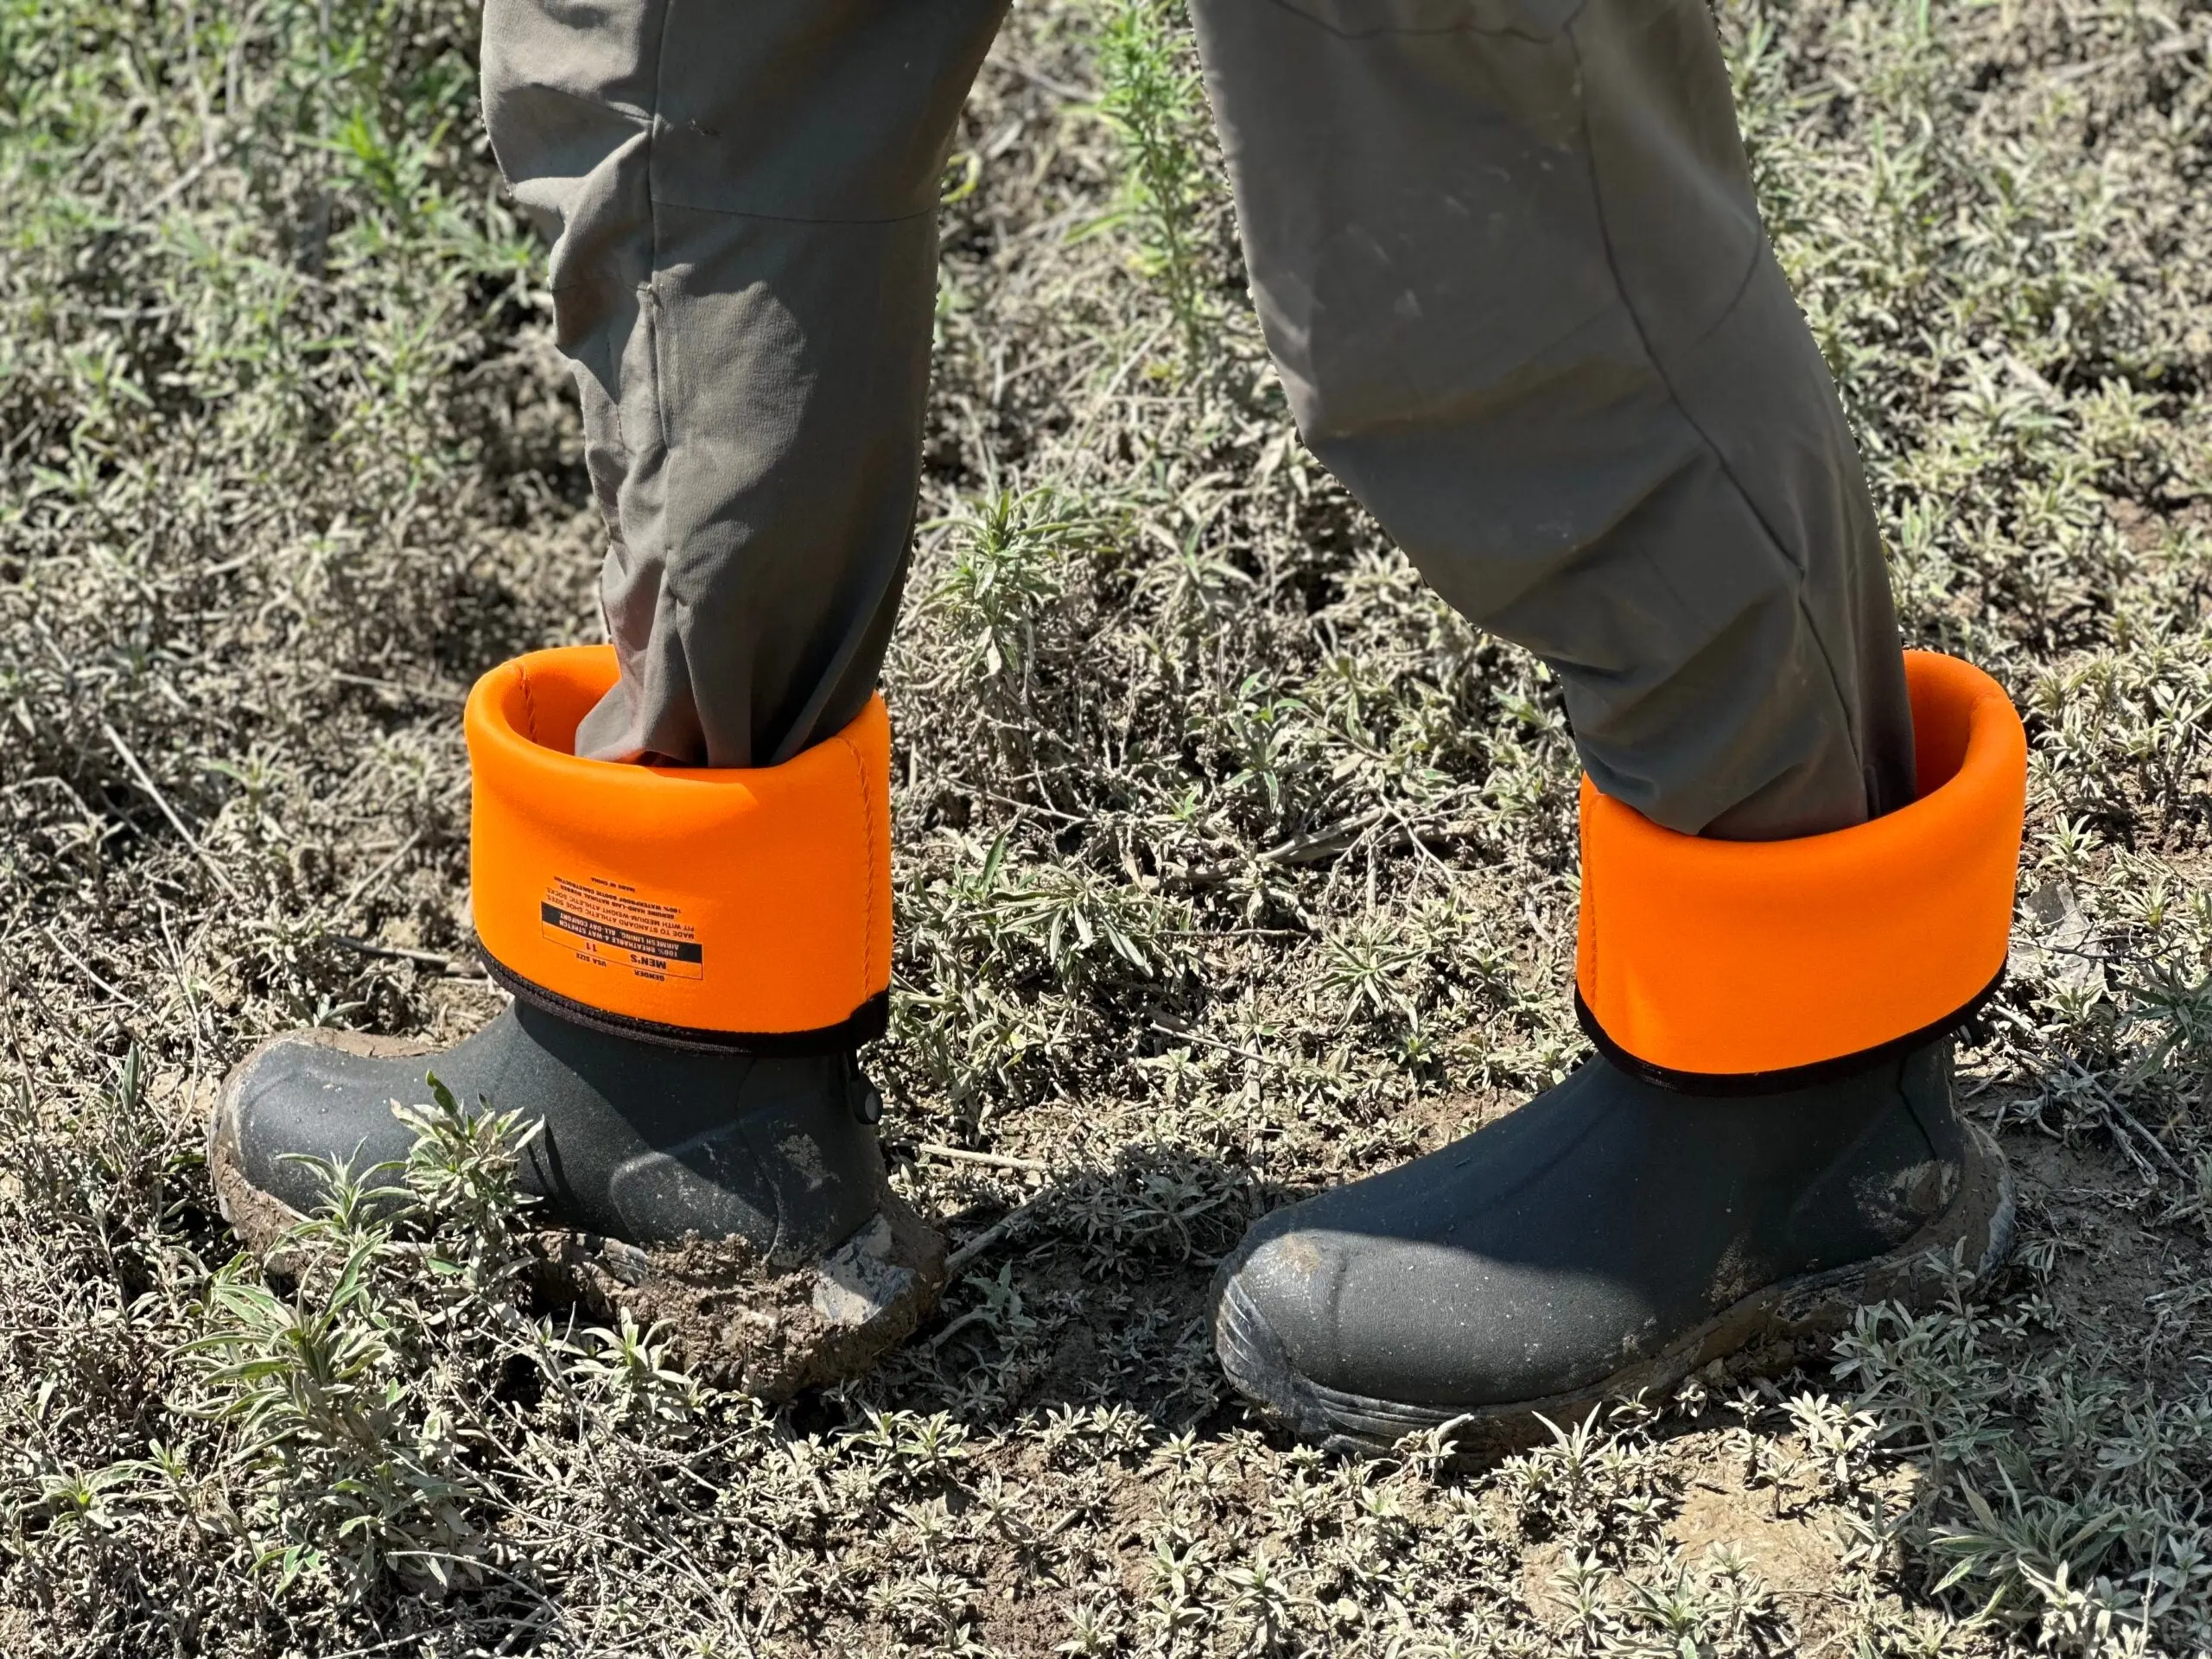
point(1608, 1237)
point(742, 1201)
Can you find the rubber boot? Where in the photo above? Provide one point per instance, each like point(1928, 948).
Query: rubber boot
point(695, 955)
point(727, 1196)
point(1608, 1237)
point(1766, 1141)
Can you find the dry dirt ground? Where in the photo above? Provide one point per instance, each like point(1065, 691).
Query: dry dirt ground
point(1230, 862)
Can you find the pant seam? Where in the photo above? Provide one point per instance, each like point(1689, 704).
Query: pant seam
point(1469, 28)
point(1735, 301)
point(659, 200)
point(1674, 397)
point(653, 258)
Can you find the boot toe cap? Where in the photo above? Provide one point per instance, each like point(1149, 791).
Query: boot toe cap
point(314, 1095)
point(1305, 1313)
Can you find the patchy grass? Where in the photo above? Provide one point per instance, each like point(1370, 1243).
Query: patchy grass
point(1230, 862)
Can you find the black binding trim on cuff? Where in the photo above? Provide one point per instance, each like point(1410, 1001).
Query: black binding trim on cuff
point(866, 1023)
point(1737, 1085)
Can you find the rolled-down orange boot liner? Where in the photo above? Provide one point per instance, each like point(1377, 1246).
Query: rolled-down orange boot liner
point(711, 907)
point(1731, 967)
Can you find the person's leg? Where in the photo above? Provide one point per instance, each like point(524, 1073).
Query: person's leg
point(744, 199)
point(1510, 264)
point(1511, 267)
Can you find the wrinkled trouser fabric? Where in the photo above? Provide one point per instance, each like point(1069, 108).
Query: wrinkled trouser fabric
point(1508, 261)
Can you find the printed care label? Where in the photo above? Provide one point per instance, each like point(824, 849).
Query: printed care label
point(606, 921)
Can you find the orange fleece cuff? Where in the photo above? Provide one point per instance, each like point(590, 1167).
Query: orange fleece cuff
point(1729, 967)
point(719, 908)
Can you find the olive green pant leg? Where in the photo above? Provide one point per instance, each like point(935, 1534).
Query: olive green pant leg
point(1507, 260)
point(744, 200)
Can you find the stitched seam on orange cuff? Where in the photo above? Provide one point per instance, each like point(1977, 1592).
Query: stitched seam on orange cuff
point(868, 855)
point(529, 702)
point(1588, 900)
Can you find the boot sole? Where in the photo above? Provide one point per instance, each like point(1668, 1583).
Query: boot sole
point(731, 1319)
point(1766, 1331)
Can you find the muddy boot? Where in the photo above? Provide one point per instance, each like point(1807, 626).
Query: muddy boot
point(1609, 1236)
point(740, 1200)
point(695, 955)
point(1766, 1143)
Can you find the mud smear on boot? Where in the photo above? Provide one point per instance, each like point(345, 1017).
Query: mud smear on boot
point(736, 1321)
point(1902, 1202)
point(1762, 1333)
point(732, 1319)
